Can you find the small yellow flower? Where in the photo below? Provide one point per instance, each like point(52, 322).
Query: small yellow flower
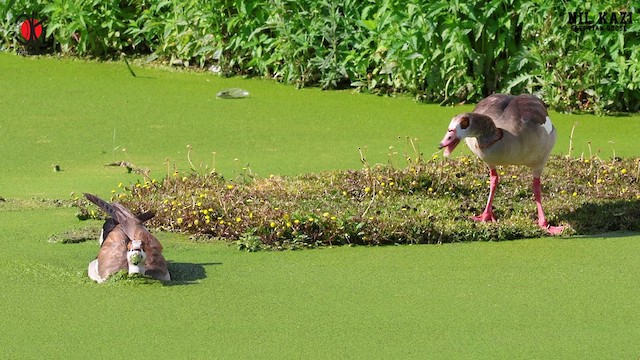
point(574, 194)
point(238, 219)
point(296, 221)
point(196, 222)
point(623, 171)
point(229, 186)
point(367, 190)
point(326, 214)
point(430, 189)
point(179, 221)
point(272, 224)
point(120, 185)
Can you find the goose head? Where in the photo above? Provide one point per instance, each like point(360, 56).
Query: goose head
point(459, 128)
point(136, 257)
point(470, 125)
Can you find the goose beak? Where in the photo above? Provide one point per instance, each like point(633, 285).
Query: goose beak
point(449, 142)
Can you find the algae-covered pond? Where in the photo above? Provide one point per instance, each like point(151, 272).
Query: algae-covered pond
point(541, 298)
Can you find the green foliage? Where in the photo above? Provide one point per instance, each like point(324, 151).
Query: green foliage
point(439, 51)
point(593, 70)
point(426, 202)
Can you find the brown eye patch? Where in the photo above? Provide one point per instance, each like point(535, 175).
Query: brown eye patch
point(464, 122)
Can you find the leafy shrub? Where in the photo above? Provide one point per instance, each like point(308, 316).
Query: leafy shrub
point(574, 70)
point(428, 201)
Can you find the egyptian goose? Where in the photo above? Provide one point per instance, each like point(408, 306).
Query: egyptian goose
point(112, 256)
point(125, 243)
point(506, 130)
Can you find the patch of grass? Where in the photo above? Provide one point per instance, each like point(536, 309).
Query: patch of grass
point(428, 201)
point(18, 204)
point(76, 235)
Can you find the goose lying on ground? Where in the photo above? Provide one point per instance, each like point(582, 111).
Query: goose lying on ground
point(506, 130)
point(112, 256)
point(125, 241)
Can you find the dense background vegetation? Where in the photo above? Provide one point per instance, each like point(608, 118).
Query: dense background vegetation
point(439, 51)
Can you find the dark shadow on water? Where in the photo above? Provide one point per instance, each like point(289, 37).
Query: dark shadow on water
point(187, 273)
point(603, 218)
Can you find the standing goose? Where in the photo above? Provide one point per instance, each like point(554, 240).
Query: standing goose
point(130, 232)
point(506, 130)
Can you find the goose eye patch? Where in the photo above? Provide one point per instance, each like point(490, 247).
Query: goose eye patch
point(464, 122)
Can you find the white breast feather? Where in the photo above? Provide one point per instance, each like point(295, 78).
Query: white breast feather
point(548, 125)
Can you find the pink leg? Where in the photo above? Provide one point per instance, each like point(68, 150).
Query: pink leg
point(487, 215)
point(542, 221)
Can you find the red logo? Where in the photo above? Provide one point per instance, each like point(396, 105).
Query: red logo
point(32, 32)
